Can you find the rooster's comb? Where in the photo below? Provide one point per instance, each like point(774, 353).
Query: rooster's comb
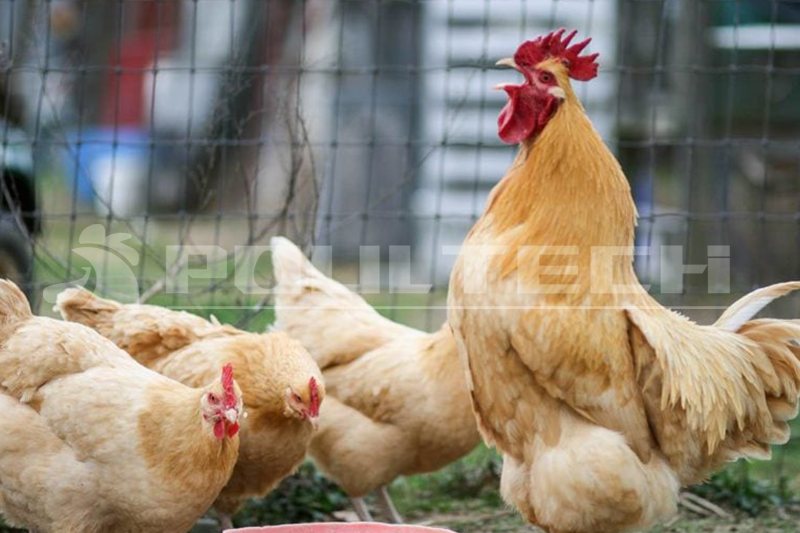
point(313, 409)
point(227, 384)
point(531, 53)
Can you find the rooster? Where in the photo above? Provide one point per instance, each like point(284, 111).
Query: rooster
point(281, 384)
point(603, 402)
point(397, 401)
point(93, 442)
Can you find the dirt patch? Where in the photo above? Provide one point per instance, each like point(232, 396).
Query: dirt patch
point(506, 521)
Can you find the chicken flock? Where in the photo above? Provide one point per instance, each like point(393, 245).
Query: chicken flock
point(139, 419)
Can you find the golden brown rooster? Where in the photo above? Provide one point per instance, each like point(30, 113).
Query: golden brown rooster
point(602, 401)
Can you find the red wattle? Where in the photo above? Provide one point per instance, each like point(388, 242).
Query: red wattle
point(514, 124)
point(219, 429)
point(233, 429)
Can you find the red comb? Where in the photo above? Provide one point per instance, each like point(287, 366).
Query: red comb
point(227, 384)
point(313, 408)
point(531, 53)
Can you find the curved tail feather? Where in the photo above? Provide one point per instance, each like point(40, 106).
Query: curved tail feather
point(335, 324)
point(82, 306)
point(146, 332)
point(749, 305)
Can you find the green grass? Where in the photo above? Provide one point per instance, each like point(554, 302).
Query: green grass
point(474, 478)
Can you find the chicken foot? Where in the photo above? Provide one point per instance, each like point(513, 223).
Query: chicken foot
point(701, 506)
point(389, 511)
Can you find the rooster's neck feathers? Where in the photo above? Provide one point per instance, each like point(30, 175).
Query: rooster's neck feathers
point(565, 188)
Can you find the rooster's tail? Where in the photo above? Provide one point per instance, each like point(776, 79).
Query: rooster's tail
point(779, 341)
point(749, 305)
point(14, 309)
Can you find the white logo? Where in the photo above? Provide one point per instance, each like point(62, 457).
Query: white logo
point(111, 261)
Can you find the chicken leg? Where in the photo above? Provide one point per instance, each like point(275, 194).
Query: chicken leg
point(389, 511)
point(361, 509)
point(225, 521)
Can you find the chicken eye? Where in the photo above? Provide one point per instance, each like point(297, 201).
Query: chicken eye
point(212, 397)
point(545, 77)
point(297, 398)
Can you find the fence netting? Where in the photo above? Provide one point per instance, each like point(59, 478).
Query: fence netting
point(150, 148)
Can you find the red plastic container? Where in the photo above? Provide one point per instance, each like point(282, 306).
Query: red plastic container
point(341, 527)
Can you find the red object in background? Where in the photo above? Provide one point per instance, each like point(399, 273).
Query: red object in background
point(123, 101)
point(341, 527)
point(152, 32)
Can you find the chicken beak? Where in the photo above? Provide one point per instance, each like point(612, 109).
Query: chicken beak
point(314, 422)
point(558, 92)
point(232, 415)
point(508, 62)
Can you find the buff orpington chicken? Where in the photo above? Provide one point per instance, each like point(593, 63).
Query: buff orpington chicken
point(281, 384)
point(397, 400)
point(93, 442)
point(602, 402)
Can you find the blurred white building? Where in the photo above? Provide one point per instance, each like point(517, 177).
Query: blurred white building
point(463, 157)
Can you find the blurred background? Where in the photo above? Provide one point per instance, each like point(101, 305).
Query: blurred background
point(365, 130)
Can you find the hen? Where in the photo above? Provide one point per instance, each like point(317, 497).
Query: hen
point(281, 385)
point(397, 402)
point(602, 401)
point(93, 442)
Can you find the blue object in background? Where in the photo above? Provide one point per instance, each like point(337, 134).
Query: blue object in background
point(101, 144)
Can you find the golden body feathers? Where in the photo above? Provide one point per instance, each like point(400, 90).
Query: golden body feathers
point(93, 442)
point(397, 401)
point(602, 401)
point(188, 348)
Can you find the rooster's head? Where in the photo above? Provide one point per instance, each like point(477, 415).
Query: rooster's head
point(547, 63)
point(222, 405)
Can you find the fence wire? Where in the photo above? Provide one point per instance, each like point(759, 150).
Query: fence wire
point(143, 141)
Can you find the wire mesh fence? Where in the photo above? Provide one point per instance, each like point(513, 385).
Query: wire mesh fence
point(150, 148)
